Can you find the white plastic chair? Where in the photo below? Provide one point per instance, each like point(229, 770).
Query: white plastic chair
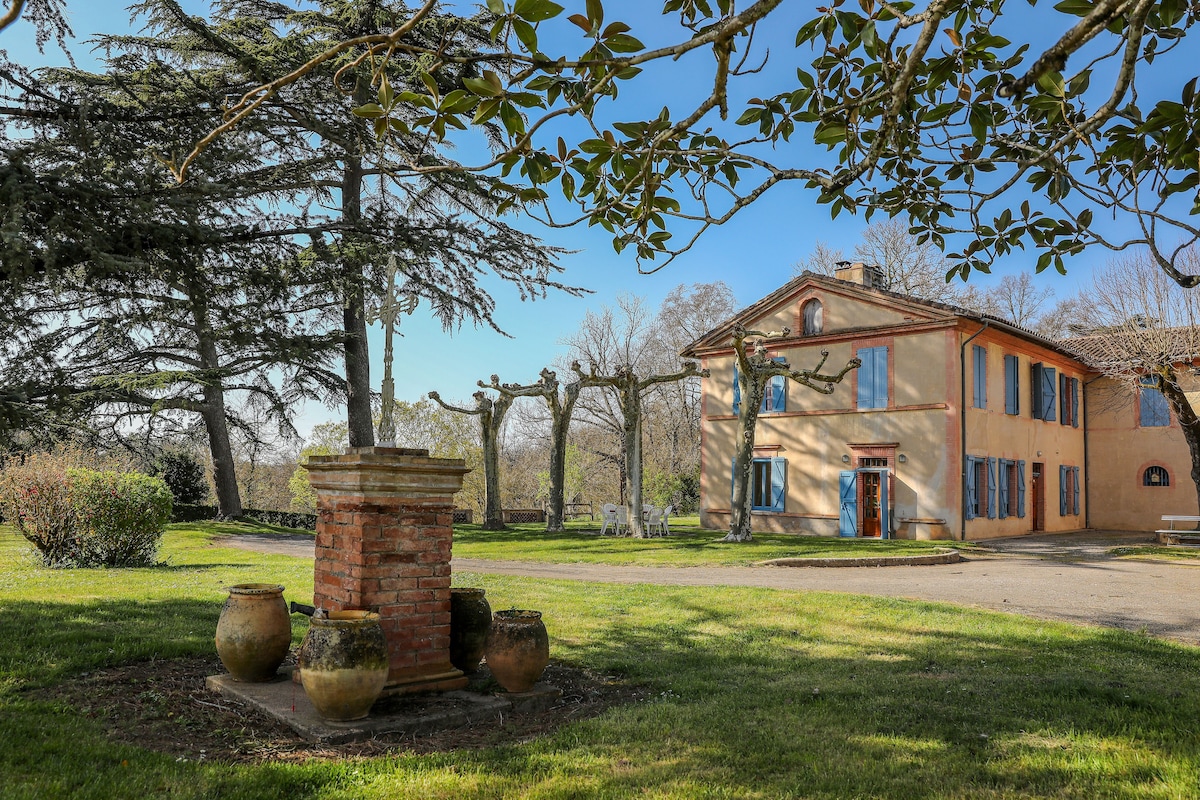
point(654, 522)
point(608, 513)
point(666, 513)
point(622, 519)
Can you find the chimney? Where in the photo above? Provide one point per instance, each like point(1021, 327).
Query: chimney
point(866, 275)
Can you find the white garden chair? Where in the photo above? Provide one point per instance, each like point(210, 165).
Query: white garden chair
point(654, 522)
point(666, 513)
point(608, 513)
point(622, 519)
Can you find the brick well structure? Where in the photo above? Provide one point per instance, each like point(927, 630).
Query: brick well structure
point(383, 544)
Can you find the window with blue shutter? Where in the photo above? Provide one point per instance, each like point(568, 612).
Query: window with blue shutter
point(1064, 400)
point(1045, 393)
point(848, 496)
point(1154, 411)
point(1074, 402)
point(768, 484)
point(991, 488)
point(1075, 490)
point(737, 391)
point(1062, 491)
point(980, 373)
point(1012, 383)
point(775, 396)
point(1002, 495)
point(971, 499)
point(873, 377)
point(1020, 488)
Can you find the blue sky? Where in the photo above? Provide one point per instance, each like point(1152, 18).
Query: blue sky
point(753, 254)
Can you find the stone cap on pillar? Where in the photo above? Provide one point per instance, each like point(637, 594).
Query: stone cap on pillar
point(386, 471)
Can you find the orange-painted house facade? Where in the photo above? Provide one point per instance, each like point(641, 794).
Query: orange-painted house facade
point(957, 425)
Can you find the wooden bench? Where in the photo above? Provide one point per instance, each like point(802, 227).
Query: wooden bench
point(1189, 536)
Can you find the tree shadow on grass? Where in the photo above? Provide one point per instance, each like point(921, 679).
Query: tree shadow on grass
point(756, 693)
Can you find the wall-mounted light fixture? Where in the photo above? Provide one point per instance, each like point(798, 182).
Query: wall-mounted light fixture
point(1039, 453)
point(845, 458)
point(903, 459)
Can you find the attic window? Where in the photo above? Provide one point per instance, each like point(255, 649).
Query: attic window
point(814, 318)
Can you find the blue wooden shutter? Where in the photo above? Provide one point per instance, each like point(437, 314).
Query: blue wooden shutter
point(1064, 399)
point(1002, 489)
point(1074, 402)
point(866, 377)
point(848, 502)
point(1048, 394)
point(774, 398)
point(1075, 494)
point(1021, 489)
point(1012, 399)
point(1035, 388)
point(885, 516)
point(970, 499)
point(991, 488)
point(980, 359)
point(1062, 491)
point(881, 377)
point(778, 483)
point(737, 391)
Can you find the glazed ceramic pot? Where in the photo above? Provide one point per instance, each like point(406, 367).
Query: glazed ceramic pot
point(518, 649)
point(254, 631)
point(470, 621)
point(344, 664)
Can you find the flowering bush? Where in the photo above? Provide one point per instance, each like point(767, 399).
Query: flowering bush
point(120, 517)
point(35, 496)
point(79, 517)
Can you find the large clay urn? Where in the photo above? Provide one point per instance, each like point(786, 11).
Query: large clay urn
point(254, 631)
point(518, 649)
point(470, 621)
point(344, 664)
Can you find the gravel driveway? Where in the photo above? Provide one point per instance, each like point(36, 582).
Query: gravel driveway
point(1067, 577)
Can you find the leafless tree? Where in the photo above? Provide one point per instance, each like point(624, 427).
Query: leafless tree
point(1018, 299)
point(491, 413)
point(1147, 336)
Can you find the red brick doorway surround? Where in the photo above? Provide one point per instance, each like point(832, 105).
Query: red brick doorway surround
point(384, 530)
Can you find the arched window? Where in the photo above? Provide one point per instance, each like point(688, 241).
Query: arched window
point(814, 318)
point(1156, 476)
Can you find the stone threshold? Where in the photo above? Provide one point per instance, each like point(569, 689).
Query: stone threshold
point(285, 700)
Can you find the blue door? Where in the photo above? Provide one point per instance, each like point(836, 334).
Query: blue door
point(848, 496)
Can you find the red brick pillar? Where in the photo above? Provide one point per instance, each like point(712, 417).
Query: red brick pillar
point(384, 519)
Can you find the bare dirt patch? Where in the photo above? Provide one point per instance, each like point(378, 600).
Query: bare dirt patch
point(164, 706)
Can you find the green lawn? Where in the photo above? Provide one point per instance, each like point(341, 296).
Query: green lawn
point(755, 694)
point(689, 545)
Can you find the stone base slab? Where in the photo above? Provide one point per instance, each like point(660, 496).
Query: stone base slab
point(285, 701)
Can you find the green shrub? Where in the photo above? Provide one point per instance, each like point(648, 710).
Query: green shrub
point(184, 476)
point(79, 517)
point(120, 517)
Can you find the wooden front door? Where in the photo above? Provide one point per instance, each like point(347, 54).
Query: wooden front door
point(870, 506)
point(1037, 506)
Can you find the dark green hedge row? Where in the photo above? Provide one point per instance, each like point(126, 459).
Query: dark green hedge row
point(284, 519)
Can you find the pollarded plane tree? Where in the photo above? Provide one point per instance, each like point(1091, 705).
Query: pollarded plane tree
point(755, 372)
point(1002, 125)
point(628, 388)
point(491, 413)
point(1145, 337)
point(560, 400)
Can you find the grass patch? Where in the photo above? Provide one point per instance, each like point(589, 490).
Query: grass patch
point(1159, 552)
point(756, 694)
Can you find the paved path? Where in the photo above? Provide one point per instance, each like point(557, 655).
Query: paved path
point(1066, 577)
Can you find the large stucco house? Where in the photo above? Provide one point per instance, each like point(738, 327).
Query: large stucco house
point(957, 425)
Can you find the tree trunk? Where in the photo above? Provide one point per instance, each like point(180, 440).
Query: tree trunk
point(740, 517)
point(631, 399)
point(493, 519)
point(229, 501)
point(1189, 423)
point(354, 318)
point(560, 426)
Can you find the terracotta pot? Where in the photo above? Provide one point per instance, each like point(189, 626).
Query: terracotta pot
point(470, 621)
point(518, 649)
point(344, 664)
point(254, 631)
